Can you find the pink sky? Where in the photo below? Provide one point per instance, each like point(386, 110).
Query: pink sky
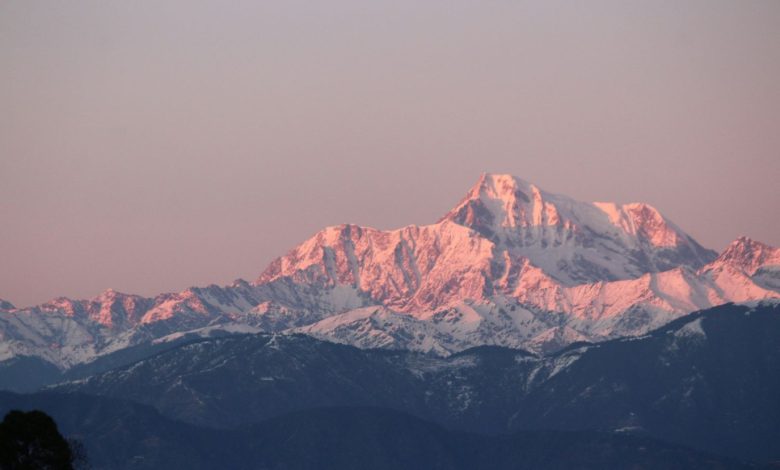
point(150, 148)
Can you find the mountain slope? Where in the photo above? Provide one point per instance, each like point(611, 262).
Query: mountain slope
point(119, 434)
point(718, 369)
point(542, 315)
point(67, 332)
point(708, 380)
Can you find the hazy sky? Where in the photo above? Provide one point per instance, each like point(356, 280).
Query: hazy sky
point(150, 146)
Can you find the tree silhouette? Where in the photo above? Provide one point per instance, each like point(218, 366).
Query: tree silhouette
point(30, 440)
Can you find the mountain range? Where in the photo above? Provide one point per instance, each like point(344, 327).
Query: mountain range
point(709, 380)
point(700, 392)
point(524, 329)
point(510, 265)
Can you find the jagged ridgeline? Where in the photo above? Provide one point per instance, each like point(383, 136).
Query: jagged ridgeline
point(520, 310)
point(707, 382)
point(510, 265)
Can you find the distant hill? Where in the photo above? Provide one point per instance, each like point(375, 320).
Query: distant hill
point(122, 435)
point(708, 380)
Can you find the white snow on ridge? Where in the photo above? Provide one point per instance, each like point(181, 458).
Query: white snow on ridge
point(511, 265)
point(692, 329)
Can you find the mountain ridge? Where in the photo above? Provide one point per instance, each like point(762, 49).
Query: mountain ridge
point(510, 265)
point(707, 380)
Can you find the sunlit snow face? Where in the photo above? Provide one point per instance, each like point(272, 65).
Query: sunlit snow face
point(148, 150)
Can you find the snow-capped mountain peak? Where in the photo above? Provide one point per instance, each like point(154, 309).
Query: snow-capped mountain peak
point(644, 221)
point(117, 310)
point(502, 226)
point(748, 255)
point(511, 265)
point(499, 201)
point(574, 241)
point(406, 268)
point(502, 202)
